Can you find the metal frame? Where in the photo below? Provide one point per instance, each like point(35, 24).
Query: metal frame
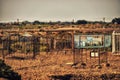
point(116, 43)
point(49, 35)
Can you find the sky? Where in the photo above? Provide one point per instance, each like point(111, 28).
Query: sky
point(59, 10)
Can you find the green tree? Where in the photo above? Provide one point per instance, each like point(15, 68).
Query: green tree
point(36, 22)
point(81, 22)
point(116, 20)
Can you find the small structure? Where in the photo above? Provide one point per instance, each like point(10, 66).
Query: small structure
point(116, 42)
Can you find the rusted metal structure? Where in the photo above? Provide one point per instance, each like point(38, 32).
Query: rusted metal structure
point(116, 42)
point(49, 40)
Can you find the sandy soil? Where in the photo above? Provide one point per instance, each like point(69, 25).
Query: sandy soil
point(46, 65)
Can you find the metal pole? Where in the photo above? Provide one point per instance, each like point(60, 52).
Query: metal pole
point(34, 48)
point(119, 42)
point(82, 55)
point(47, 42)
point(73, 50)
point(99, 57)
point(39, 44)
point(3, 56)
point(86, 55)
point(99, 66)
point(8, 39)
point(105, 51)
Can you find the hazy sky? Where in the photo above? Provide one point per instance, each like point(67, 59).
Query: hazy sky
point(58, 10)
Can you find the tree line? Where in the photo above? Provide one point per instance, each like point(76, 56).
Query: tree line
point(37, 22)
point(114, 21)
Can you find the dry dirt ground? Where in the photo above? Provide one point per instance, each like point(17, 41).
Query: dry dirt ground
point(46, 65)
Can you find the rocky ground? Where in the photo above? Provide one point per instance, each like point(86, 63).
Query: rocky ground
point(59, 66)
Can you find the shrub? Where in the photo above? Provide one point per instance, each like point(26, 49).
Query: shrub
point(7, 72)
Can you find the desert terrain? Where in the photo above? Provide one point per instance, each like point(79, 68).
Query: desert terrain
point(58, 66)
